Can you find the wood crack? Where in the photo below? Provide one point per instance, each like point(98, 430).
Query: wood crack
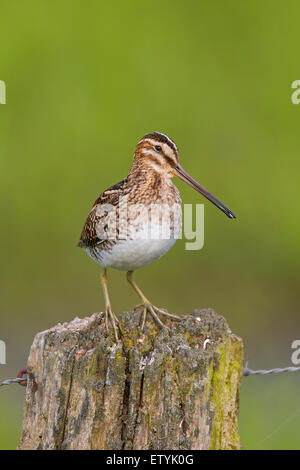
point(125, 407)
point(67, 404)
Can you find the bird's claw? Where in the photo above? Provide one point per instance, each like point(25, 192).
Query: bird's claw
point(155, 311)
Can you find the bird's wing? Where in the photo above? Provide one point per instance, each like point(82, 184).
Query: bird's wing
point(99, 217)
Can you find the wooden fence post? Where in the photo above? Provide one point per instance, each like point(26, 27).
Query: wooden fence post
point(160, 390)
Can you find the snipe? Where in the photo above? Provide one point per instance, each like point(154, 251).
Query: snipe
point(136, 221)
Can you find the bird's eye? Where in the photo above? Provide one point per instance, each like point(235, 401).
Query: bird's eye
point(158, 148)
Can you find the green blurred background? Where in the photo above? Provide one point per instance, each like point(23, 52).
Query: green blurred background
point(85, 80)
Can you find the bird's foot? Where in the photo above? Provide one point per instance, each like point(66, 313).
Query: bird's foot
point(155, 312)
point(110, 317)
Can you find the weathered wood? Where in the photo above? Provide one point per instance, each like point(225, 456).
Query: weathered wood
point(177, 390)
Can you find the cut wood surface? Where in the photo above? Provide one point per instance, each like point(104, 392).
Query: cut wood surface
point(176, 389)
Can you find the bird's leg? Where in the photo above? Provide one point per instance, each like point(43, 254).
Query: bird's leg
point(109, 315)
point(148, 305)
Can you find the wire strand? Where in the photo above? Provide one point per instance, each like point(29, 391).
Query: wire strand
point(278, 370)
point(11, 381)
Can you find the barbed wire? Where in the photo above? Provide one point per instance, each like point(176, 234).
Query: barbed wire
point(278, 370)
point(11, 381)
point(246, 372)
point(21, 379)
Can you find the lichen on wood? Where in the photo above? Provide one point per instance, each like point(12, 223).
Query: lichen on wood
point(176, 389)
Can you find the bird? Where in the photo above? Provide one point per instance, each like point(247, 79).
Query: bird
point(123, 230)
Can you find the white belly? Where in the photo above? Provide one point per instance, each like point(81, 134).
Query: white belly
point(128, 255)
point(146, 242)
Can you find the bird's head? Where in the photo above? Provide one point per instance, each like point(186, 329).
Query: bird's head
point(157, 152)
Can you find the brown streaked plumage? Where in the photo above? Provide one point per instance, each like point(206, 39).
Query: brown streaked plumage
point(116, 233)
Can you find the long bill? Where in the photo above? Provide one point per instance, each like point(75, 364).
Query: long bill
point(184, 176)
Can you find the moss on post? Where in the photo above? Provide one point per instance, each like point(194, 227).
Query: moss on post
point(162, 390)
